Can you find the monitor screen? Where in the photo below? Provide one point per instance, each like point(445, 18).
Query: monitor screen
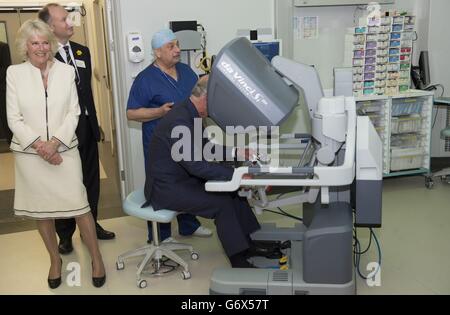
point(420, 74)
point(269, 49)
point(424, 67)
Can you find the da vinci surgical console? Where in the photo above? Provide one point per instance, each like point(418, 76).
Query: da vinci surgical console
point(245, 90)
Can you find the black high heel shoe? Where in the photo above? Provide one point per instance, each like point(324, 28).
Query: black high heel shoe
point(54, 283)
point(98, 282)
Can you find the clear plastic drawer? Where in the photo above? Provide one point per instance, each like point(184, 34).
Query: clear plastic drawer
point(406, 159)
point(406, 124)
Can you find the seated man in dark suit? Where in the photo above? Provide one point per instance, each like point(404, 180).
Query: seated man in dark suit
point(180, 185)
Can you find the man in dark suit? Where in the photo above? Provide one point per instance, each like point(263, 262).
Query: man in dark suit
point(175, 183)
point(5, 62)
point(87, 131)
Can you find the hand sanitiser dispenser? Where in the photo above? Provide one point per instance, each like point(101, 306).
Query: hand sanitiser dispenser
point(135, 47)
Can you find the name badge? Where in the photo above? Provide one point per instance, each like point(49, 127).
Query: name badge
point(80, 63)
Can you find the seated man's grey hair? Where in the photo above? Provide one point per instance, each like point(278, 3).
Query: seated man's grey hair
point(201, 88)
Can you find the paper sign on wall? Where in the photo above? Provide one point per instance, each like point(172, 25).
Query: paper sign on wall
point(306, 27)
point(74, 18)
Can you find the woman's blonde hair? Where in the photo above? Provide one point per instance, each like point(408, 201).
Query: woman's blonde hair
point(34, 27)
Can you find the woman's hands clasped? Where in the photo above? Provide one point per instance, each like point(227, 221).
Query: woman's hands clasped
point(48, 150)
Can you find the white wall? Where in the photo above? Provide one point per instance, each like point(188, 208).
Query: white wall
point(439, 43)
point(220, 18)
point(327, 51)
point(439, 54)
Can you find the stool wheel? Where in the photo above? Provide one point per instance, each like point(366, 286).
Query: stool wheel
point(429, 182)
point(186, 275)
point(120, 265)
point(142, 284)
point(194, 256)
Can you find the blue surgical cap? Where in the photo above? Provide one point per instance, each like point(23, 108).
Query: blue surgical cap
point(162, 37)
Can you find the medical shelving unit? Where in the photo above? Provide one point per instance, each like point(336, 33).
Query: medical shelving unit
point(382, 51)
point(404, 124)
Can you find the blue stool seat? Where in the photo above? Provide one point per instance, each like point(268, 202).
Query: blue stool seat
point(444, 174)
point(132, 205)
point(445, 133)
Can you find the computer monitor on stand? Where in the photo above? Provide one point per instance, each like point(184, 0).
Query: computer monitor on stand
point(269, 49)
point(421, 74)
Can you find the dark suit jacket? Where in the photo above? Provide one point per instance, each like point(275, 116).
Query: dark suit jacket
point(167, 178)
point(5, 62)
point(180, 186)
point(85, 96)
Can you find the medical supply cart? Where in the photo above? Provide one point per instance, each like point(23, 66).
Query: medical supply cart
point(382, 50)
point(404, 124)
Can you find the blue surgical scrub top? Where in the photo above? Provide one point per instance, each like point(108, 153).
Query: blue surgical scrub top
point(152, 88)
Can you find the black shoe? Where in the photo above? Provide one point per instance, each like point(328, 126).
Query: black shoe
point(239, 260)
point(54, 283)
point(270, 253)
point(98, 282)
point(65, 246)
point(103, 234)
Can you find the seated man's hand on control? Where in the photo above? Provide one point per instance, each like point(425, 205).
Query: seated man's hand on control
point(245, 154)
point(247, 176)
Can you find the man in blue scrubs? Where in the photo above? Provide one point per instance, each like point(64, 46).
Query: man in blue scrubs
point(154, 91)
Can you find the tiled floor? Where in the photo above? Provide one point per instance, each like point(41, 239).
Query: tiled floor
point(414, 241)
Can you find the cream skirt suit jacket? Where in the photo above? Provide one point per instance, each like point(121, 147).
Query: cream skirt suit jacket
point(44, 191)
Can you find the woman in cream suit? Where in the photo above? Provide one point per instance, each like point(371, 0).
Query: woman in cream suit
point(42, 111)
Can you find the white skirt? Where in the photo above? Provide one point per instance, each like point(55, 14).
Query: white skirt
point(44, 191)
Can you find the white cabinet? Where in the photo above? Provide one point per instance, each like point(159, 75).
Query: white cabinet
point(404, 125)
point(319, 3)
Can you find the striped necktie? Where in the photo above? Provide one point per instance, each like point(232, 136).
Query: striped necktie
point(70, 62)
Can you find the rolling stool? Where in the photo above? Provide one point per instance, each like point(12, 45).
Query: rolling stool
point(444, 173)
point(156, 250)
point(445, 133)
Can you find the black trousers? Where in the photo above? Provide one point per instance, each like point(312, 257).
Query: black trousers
point(233, 217)
point(91, 177)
